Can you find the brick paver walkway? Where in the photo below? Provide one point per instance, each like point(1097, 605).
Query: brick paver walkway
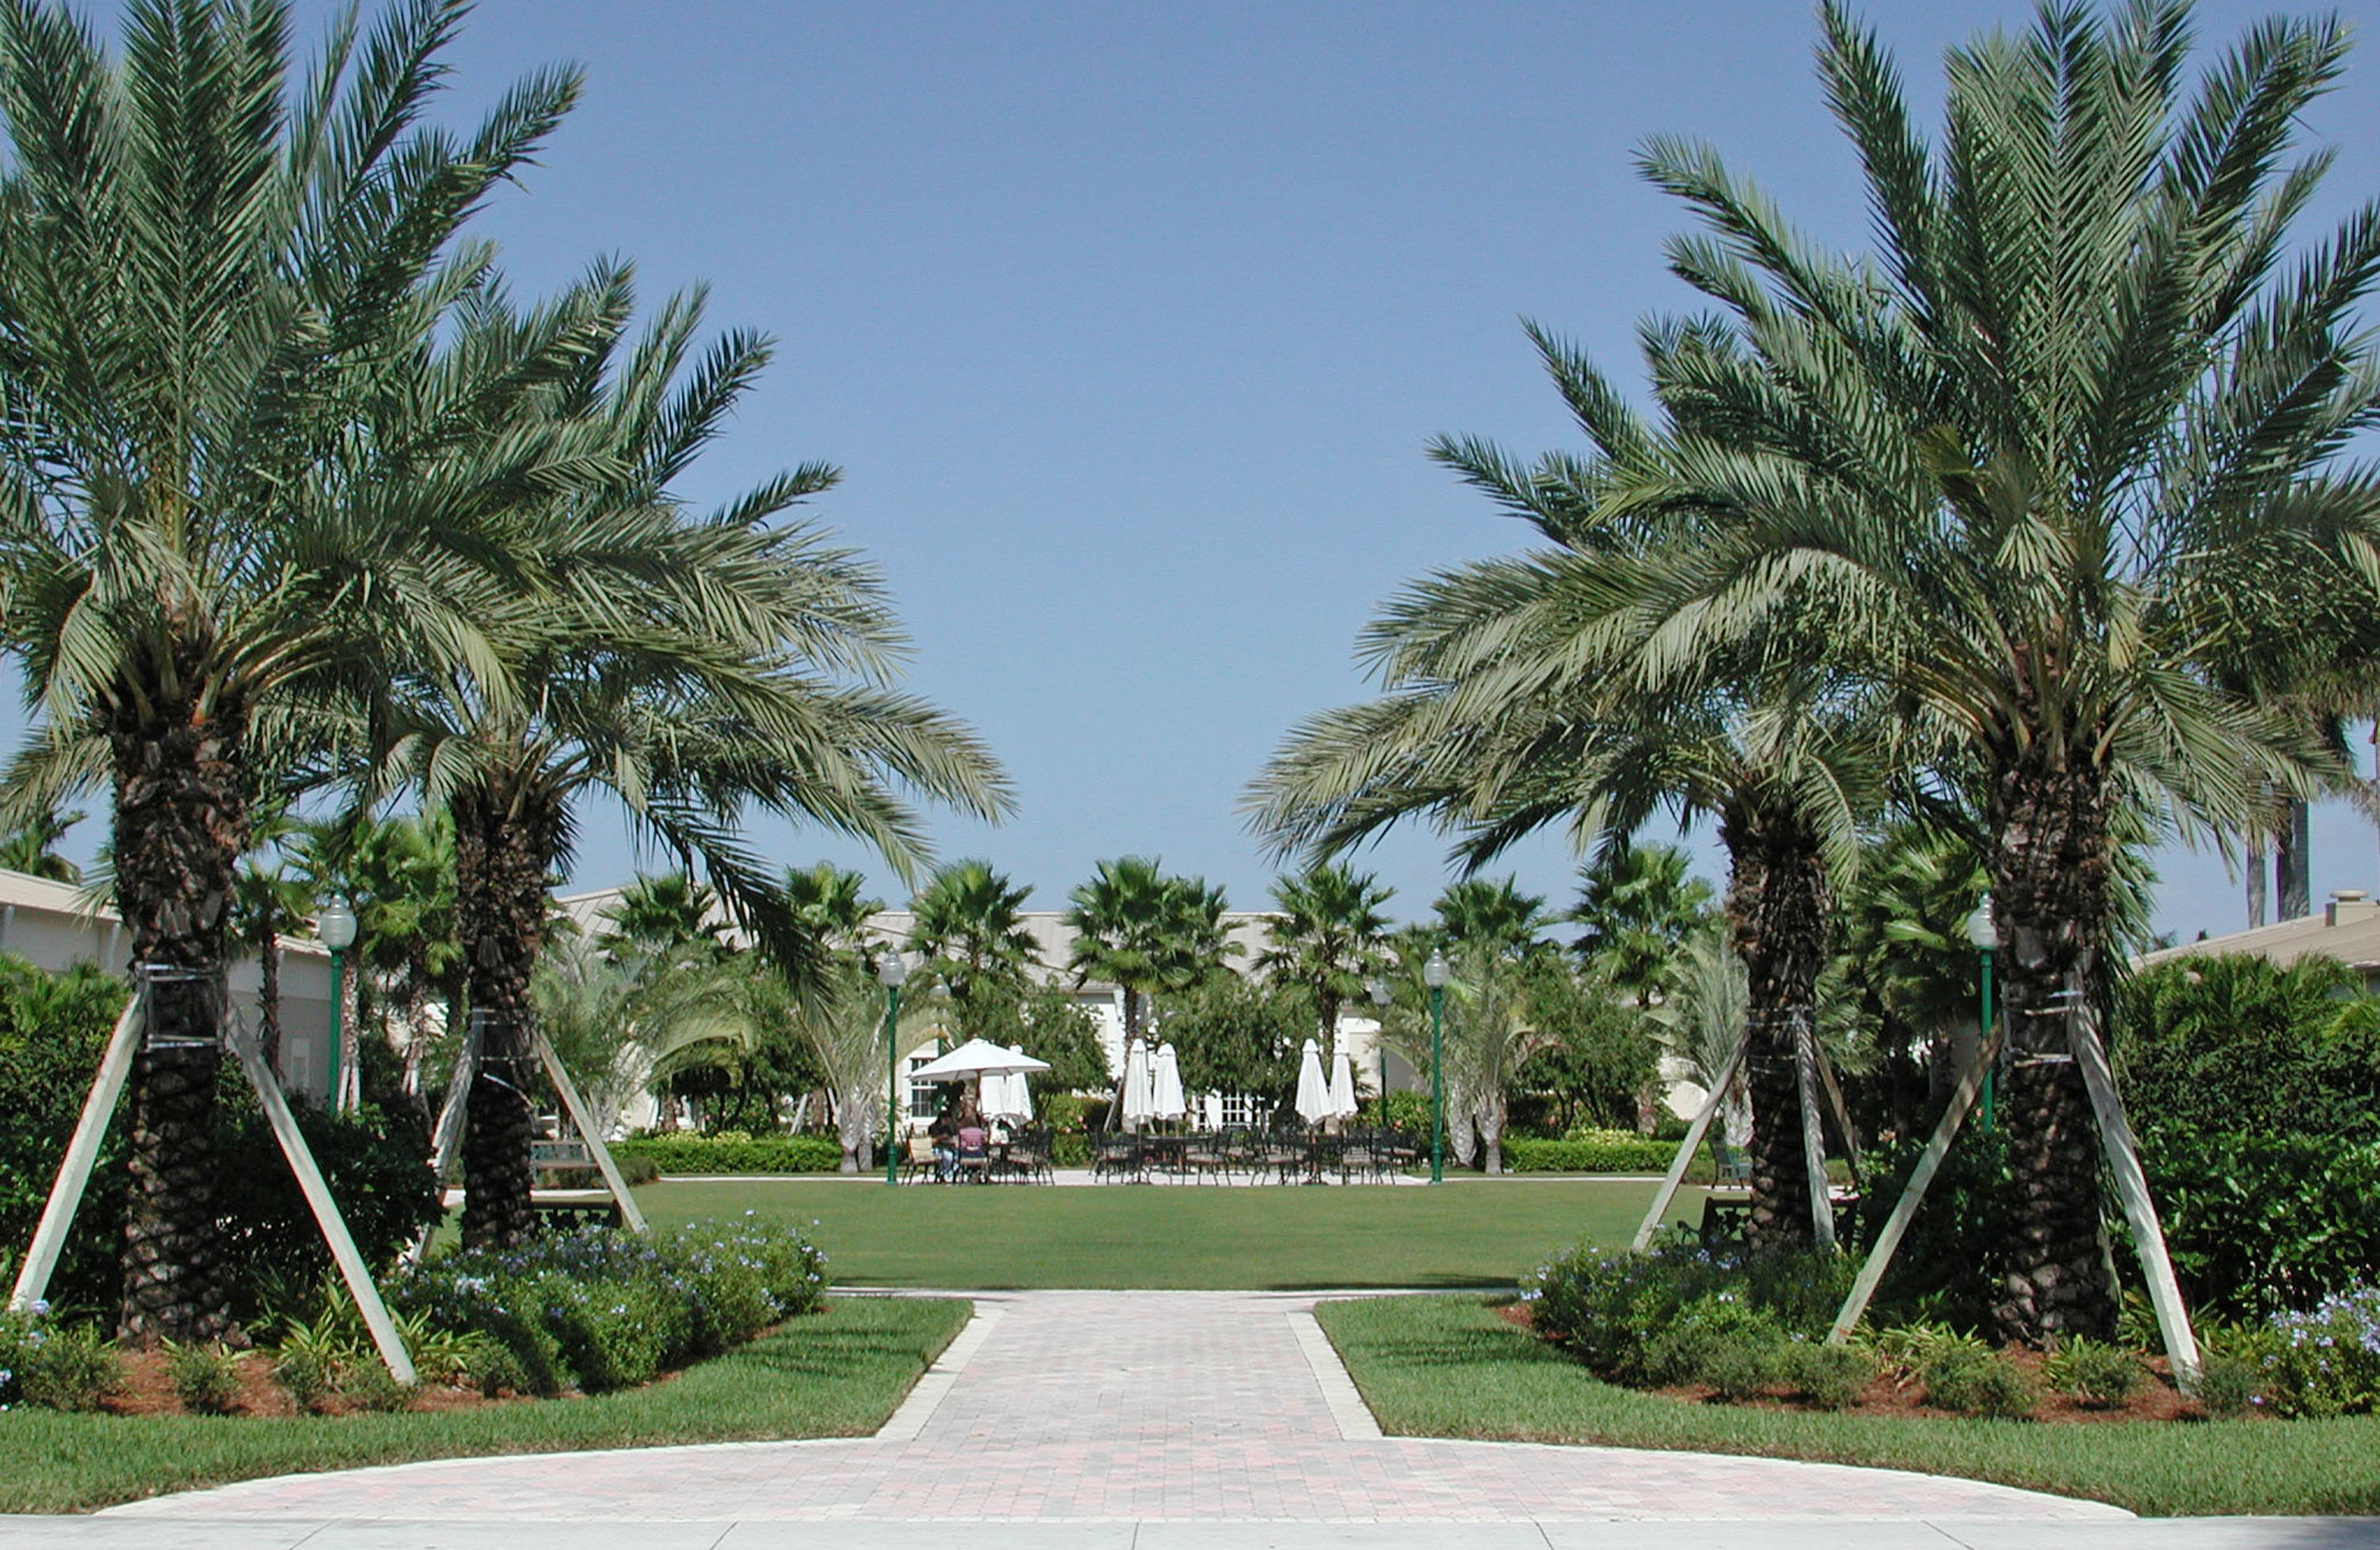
point(1127, 1405)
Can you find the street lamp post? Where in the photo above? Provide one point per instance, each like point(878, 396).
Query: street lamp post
point(890, 970)
point(1435, 974)
point(1986, 936)
point(335, 925)
point(1377, 988)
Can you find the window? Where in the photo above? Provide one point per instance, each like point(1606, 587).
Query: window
point(925, 1097)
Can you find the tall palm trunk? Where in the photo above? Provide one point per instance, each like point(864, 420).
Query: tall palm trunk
point(2051, 862)
point(2292, 862)
point(1779, 907)
point(268, 992)
point(181, 828)
point(503, 837)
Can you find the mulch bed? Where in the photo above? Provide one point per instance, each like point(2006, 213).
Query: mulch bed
point(2155, 1398)
point(148, 1391)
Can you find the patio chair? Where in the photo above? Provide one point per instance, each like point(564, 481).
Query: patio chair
point(1735, 1167)
point(917, 1163)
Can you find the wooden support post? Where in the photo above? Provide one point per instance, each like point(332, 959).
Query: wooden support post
point(334, 1227)
point(1842, 1115)
point(2131, 1187)
point(1687, 1148)
point(66, 1193)
point(1813, 1133)
point(1928, 1163)
point(449, 1139)
point(579, 1116)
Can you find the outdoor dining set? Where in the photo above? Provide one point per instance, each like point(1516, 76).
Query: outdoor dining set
point(1233, 1153)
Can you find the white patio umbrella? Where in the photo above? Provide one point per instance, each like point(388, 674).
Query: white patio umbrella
point(1140, 1089)
point(1007, 1095)
point(1342, 1087)
point(974, 1059)
point(1314, 1094)
point(1165, 1083)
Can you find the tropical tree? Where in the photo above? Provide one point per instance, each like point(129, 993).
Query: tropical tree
point(207, 268)
point(968, 924)
point(2064, 447)
point(32, 848)
point(1639, 904)
point(1330, 937)
point(625, 1013)
point(670, 910)
point(1144, 931)
point(691, 668)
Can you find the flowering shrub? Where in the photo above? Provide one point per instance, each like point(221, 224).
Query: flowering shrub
point(2326, 1361)
point(21, 1338)
point(608, 1309)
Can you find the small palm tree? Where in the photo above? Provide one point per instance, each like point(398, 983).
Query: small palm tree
point(1330, 937)
point(1144, 932)
point(969, 927)
point(32, 848)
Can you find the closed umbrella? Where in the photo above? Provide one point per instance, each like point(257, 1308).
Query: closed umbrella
point(1006, 1095)
point(1314, 1094)
point(1342, 1087)
point(1139, 1090)
point(1166, 1082)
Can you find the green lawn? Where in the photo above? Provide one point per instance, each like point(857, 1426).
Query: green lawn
point(1450, 1366)
point(1479, 1233)
point(838, 1373)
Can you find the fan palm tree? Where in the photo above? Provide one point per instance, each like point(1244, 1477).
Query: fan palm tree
point(1640, 906)
point(32, 848)
point(206, 269)
point(691, 668)
point(2068, 444)
point(1144, 931)
point(1330, 937)
point(968, 926)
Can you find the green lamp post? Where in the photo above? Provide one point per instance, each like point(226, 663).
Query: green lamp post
point(1435, 974)
point(890, 970)
point(1986, 936)
point(334, 926)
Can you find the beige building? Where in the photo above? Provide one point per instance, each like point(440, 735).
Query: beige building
point(55, 926)
point(2348, 929)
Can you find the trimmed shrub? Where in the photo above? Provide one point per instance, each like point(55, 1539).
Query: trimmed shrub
point(2097, 1375)
point(304, 1376)
point(368, 1386)
point(71, 1368)
point(1978, 1381)
point(1829, 1377)
point(2228, 1386)
point(1616, 1151)
point(1667, 1315)
point(2259, 1224)
point(206, 1377)
point(732, 1153)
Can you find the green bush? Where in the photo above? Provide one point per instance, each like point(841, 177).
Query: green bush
point(1611, 1152)
point(1829, 1377)
point(1667, 1315)
point(2233, 1044)
point(206, 1377)
point(71, 1368)
point(2259, 1224)
point(2229, 1385)
point(2326, 1361)
point(21, 1335)
point(370, 1385)
point(733, 1152)
point(2098, 1375)
point(608, 1309)
point(304, 1376)
point(1977, 1381)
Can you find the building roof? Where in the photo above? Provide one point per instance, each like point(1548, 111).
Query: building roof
point(73, 901)
point(2348, 929)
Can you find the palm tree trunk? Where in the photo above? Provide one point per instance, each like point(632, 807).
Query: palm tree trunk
point(268, 992)
point(2255, 876)
point(2051, 865)
point(1780, 906)
point(2293, 863)
point(502, 844)
point(181, 828)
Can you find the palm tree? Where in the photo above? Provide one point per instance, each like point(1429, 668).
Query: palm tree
point(32, 848)
point(691, 668)
point(969, 927)
point(1640, 907)
point(206, 271)
point(2065, 449)
point(1329, 936)
point(1144, 931)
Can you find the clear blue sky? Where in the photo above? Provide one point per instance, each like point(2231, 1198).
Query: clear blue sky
point(1128, 325)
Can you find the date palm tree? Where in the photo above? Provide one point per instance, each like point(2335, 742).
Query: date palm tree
point(1330, 936)
point(2068, 444)
point(209, 266)
point(692, 669)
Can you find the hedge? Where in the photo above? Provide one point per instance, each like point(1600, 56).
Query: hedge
point(734, 1154)
point(1633, 1155)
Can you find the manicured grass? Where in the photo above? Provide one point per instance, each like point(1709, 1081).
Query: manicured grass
point(837, 1373)
point(1451, 1366)
point(1482, 1233)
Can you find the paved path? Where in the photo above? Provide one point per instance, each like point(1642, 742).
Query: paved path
point(1134, 1407)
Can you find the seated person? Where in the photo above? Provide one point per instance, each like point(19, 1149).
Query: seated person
point(974, 1141)
point(944, 1132)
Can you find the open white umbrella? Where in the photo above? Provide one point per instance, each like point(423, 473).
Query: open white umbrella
point(1342, 1087)
point(1166, 1079)
point(1314, 1094)
point(976, 1057)
point(1139, 1090)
